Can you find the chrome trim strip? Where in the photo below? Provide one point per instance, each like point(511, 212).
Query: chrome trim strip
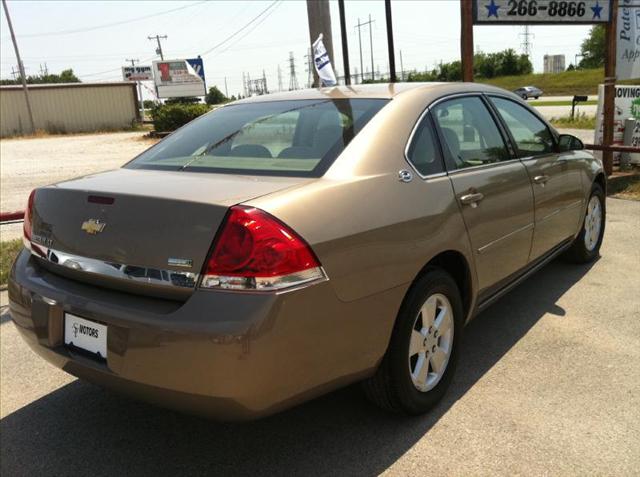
point(562, 209)
point(112, 270)
point(415, 128)
point(482, 249)
point(483, 166)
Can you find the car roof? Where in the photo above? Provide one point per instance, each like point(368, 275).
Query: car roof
point(373, 91)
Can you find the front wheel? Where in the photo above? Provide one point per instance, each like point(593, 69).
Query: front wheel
point(420, 361)
point(586, 246)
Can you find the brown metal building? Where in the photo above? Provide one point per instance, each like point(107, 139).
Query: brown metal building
point(69, 107)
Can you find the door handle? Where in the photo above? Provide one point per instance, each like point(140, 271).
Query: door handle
point(472, 199)
point(541, 179)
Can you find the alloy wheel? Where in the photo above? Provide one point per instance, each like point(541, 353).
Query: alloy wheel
point(431, 342)
point(592, 223)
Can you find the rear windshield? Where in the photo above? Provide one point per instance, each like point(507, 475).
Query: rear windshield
point(280, 138)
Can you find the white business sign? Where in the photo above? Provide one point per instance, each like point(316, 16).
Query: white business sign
point(177, 78)
point(541, 11)
point(137, 73)
point(627, 105)
point(628, 41)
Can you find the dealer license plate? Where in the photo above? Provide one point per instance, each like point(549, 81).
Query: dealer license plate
point(85, 334)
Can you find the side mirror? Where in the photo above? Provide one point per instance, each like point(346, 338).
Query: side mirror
point(567, 142)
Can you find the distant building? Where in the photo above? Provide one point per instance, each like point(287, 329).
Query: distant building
point(554, 63)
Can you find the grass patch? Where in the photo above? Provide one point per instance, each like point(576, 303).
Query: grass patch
point(580, 121)
point(625, 187)
point(560, 103)
point(567, 83)
point(8, 252)
point(41, 133)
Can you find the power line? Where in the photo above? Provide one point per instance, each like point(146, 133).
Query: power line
point(240, 30)
point(112, 70)
point(108, 25)
point(248, 32)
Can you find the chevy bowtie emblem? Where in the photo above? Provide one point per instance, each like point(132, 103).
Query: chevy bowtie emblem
point(93, 226)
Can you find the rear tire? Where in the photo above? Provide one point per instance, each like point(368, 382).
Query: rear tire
point(525, 97)
point(586, 247)
point(423, 352)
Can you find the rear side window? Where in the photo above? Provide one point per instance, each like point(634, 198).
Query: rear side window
point(280, 138)
point(532, 136)
point(423, 151)
point(470, 136)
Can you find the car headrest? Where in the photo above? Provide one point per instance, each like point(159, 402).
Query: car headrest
point(298, 152)
point(451, 138)
point(250, 150)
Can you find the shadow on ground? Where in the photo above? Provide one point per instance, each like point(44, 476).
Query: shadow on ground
point(83, 429)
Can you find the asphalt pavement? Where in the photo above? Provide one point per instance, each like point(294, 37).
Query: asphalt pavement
point(548, 384)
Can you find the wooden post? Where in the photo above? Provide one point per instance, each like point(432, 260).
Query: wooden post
point(609, 88)
point(392, 57)
point(466, 39)
point(319, 17)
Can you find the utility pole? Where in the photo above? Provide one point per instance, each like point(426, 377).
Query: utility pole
point(14, 72)
point(293, 81)
point(359, 26)
point(20, 67)
point(226, 91)
point(401, 66)
point(373, 77)
point(133, 65)
point(319, 17)
point(159, 49)
point(279, 78)
point(44, 71)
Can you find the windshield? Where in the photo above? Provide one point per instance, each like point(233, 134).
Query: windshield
point(284, 138)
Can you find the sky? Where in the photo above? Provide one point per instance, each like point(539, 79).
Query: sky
point(96, 37)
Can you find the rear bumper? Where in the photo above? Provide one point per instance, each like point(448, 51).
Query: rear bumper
point(223, 354)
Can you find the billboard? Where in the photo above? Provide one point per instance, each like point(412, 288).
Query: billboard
point(628, 38)
point(137, 73)
point(627, 105)
point(178, 78)
point(541, 11)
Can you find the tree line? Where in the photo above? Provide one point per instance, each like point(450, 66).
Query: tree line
point(65, 76)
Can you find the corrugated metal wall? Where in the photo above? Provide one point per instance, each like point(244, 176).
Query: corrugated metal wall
point(68, 108)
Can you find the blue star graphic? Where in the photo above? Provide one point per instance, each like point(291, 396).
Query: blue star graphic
point(596, 10)
point(492, 9)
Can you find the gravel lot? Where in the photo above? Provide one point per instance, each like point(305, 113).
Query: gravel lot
point(548, 384)
point(29, 163)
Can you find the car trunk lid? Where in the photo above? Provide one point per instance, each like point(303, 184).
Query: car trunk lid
point(139, 230)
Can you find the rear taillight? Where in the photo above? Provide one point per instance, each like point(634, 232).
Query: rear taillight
point(28, 217)
point(255, 251)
